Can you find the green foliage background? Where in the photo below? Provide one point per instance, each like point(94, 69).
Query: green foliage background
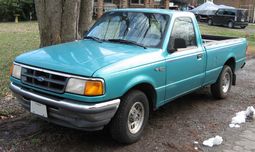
point(25, 9)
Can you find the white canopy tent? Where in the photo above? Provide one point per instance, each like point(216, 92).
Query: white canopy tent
point(208, 8)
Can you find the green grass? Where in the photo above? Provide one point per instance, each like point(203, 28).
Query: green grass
point(18, 38)
point(14, 40)
point(248, 33)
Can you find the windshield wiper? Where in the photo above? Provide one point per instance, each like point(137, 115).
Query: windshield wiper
point(94, 38)
point(126, 42)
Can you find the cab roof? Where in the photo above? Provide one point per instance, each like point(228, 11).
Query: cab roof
point(150, 10)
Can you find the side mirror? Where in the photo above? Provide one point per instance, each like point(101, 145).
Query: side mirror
point(178, 44)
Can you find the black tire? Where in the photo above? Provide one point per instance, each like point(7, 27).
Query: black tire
point(119, 127)
point(230, 24)
point(243, 27)
point(210, 22)
point(217, 89)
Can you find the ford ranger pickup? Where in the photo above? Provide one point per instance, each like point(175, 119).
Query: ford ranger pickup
point(130, 62)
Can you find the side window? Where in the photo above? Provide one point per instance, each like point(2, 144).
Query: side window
point(232, 13)
point(229, 12)
point(220, 12)
point(183, 34)
point(226, 12)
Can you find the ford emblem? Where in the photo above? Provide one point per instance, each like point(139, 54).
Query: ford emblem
point(40, 79)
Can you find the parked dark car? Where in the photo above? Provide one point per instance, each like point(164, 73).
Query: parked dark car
point(230, 18)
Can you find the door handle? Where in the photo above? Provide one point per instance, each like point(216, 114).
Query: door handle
point(199, 56)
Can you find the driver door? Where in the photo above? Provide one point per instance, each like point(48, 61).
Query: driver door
point(186, 60)
point(219, 17)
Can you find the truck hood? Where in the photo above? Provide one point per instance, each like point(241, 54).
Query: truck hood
point(82, 57)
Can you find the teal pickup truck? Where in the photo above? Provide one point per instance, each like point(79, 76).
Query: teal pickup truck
point(131, 62)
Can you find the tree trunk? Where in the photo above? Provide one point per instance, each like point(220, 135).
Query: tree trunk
point(86, 13)
point(62, 20)
point(70, 20)
point(100, 8)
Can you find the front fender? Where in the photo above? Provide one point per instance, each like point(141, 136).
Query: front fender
point(140, 79)
point(118, 83)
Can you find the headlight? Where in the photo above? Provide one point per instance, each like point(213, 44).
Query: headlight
point(15, 71)
point(85, 87)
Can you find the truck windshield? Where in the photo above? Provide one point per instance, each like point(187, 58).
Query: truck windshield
point(144, 29)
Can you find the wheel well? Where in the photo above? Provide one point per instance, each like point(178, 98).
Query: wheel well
point(149, 91)
point(232, 63)
point(231, 21)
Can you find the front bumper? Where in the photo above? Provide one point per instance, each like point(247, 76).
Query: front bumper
point(241, 23)
point(69, 113)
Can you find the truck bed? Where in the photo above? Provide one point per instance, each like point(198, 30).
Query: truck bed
point(219, 49)
point(213, 40)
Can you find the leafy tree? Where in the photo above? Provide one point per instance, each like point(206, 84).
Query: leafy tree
point(8, 9)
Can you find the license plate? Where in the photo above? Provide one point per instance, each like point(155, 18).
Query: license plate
point(38, 108)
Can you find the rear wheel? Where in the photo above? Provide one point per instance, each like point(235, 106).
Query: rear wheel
point(230, 24)
point(222, 87)
point(132, 116)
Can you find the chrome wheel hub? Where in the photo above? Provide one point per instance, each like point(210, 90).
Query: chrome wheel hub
point(136, 117)
point(226, 82)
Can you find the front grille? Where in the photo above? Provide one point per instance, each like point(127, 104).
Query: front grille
point(43, 80)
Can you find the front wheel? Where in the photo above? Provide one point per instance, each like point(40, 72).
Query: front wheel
point(132, 116)
point(210, 22)
point(221, 88)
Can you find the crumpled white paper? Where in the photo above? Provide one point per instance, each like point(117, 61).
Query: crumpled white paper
point(217, 140)
point(242, 116)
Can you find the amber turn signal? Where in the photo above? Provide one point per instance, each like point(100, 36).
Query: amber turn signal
point(11, 69)
point(94, 88)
